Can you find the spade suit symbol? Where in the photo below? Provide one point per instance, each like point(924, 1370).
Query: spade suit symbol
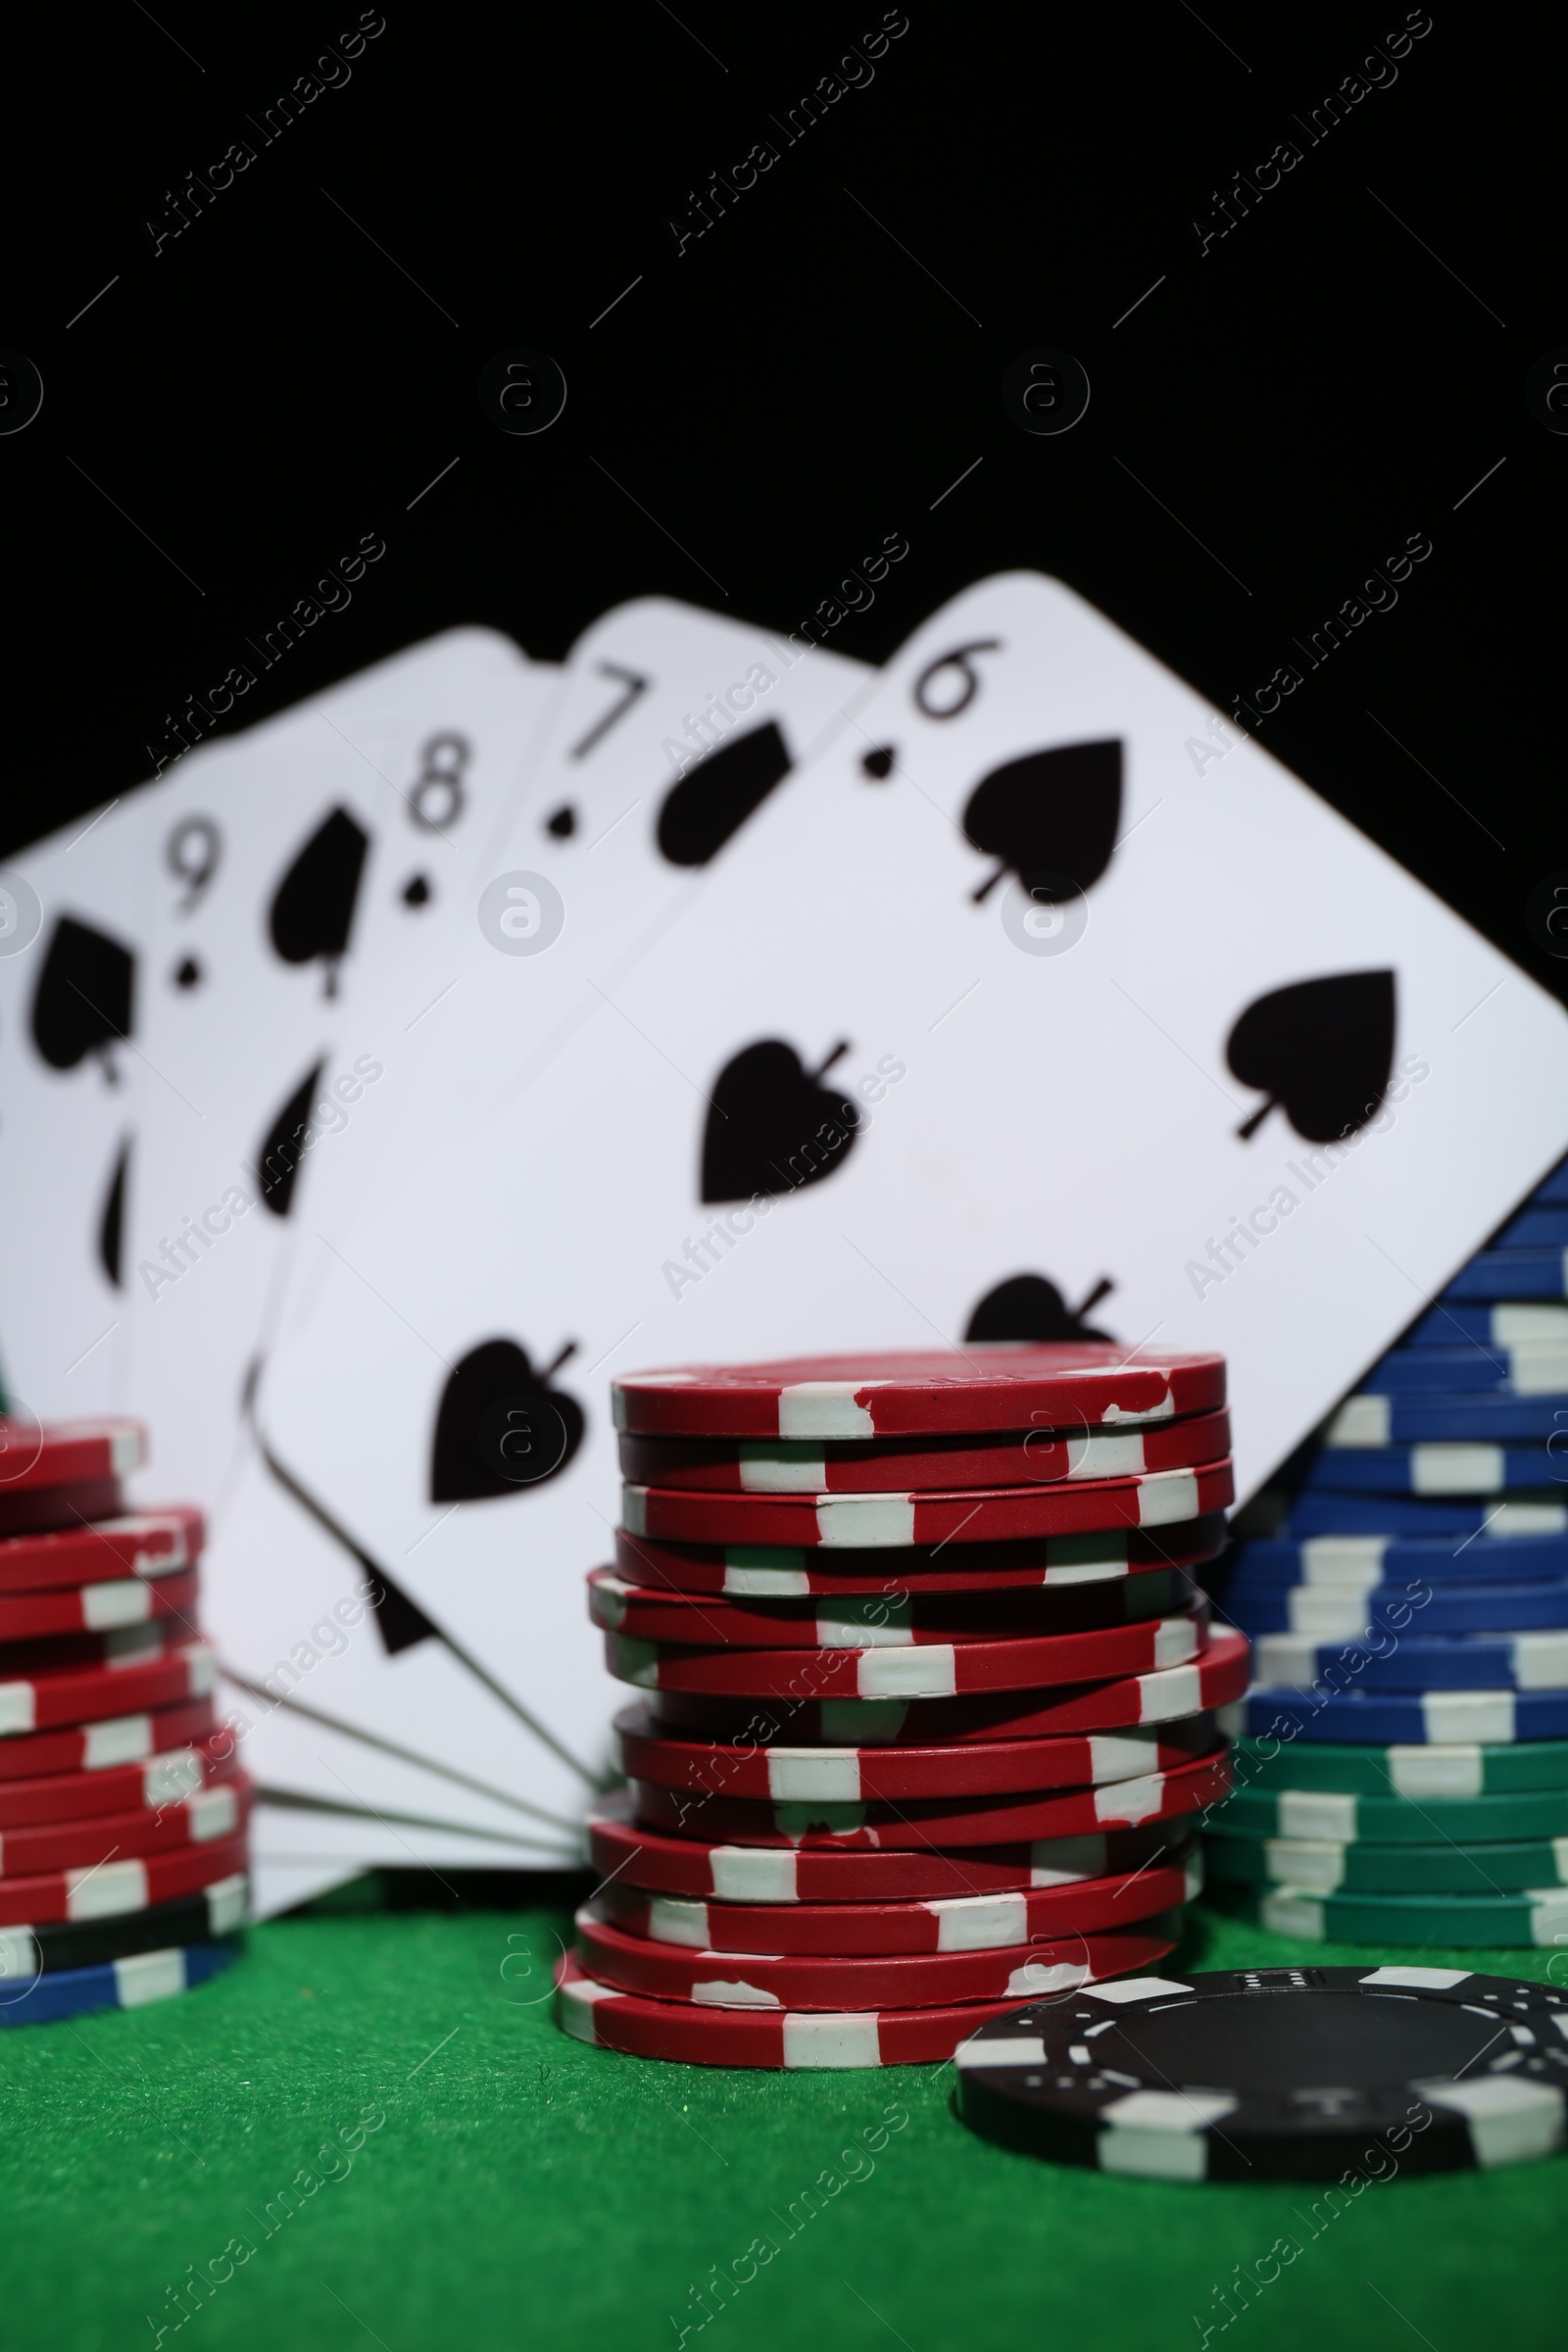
point(278, 1159)
point(465, 1465)
point(1026, 1306)
point(112, 1223)
point(1052, 815)
point(1321, 1049)
point(714, 799)
point(82, 1003)
point(772, 1126)
point(312, 909)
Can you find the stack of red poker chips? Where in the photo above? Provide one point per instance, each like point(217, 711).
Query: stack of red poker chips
point(925, 1687)
point(123, 1809)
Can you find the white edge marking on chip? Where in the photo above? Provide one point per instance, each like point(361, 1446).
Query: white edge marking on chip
point(753, 1873)
point(1541, 1661)
point(16, 1707)
point(1105, 1453)
point(1121, 1759)
point(201, 1670)
point(165, 1563)
point(146, 1976)
point(1176, 1639)
point(1510, 2121)
point(1169, 2111)
point(800, 1774)
point(1136, 1989)
point(1314, 1864)
point(1362, 1421)
point(1012, 2049)
point(124, 1602)
point(1559, 1857)
point(107, 1891)
point(125, 1450)
point(1174, 1691)
point(812, 2039)
point(1130, 1801)
point(1292, 1911)
point(928, 1672)
point(607, 1605)
point(1548, 1914)
point(978, 1923)
point(21, 1958)
point(825, 1408)
point(1484, 1716)
point(1355, 1560)
point(734, 1993)
point(1038, 1980)
point(1457, 1469)
point(117, 1740)
point(1165, 1496)
point(845, 1521)
point(1283, 1660)
point(767, 1584)
point(634, 1510)
point(1165, 1410)
point(1303, 1813)
point(635, 1662)
point(228, 1902)
point(1418, 1979)
point(168, 1779)
point(1457, 1769)
point(576, 2001)
point(764, 1472)
point(678, 1919)
point(212, 1813)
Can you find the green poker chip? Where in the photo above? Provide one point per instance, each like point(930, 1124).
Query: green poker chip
point(1317, 1866)
point(1343, 1819)
point(1456, 1922)
point(1416, 1771)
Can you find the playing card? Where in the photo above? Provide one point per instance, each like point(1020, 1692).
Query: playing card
point(1013, 1000)
point(297, 1852)
point(73, 922)
point(281, 854)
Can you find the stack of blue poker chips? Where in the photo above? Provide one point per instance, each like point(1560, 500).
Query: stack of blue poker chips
point(1409, 1623)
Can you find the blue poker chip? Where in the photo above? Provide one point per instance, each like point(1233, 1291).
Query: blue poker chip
point(129, 1984)
point(1511, 1274)
point(1374, 1419)
point(1440, 1467)
point(1538, 1227)
point(1519, 1323)
point(1355, 1563)
point(1328, 1514)
point(1398, 1718)
point(1554, 1187)
point(1329, 1614)
point(1529, 1368)
point(1404, 1660)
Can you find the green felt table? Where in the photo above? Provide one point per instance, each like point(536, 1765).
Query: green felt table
point(522, 2190)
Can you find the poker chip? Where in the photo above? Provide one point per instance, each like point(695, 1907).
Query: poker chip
point(209, 1915)
point(68, 1609)
point(142, 1544)
point(128, 1883)
point(1532, 1662)
point(207, 1816)
point(949, 1821)
point(895, 1774)
point(147, 1675)
point(700, 2036)
point(892, 1620)
point(955, 1923)
point(1358, 1563)
point(1511, 1274)
point(1368, 1719)
point(1321, 1613)
point(1012, 1458)
point(635, 1855)
point(1514, 1323)
point(1377, 1421)
point(40, 1509)
point(980, 1389)
point(1531, 1368)
point(863, 1522)
point(1455, 1922)
point(1338, 1817)
point(748, 1571)
point(149, 1785)
point(821, 1981)
point(67, 1453)
point(1537, 1227)
point(932, 1670)
point(1439, 1469)
point(129, 1984)
point(1276, 2074)
point(1324, 1513)
point(100, 1746)
point(1214, 1680)
point(1415, 1771)
point(1320, 1865)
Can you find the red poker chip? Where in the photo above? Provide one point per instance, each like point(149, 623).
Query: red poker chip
point(207, 1816)
point(866, 1980)
point(699, 2036)
point(144, 1544)
point(962, 1922)
point(94, 1747)
point(1187, 1787)
point(128, 1883)
point(1012, 1458)
point(929, 1670)
point(778, 1571)
point(31, 1510)
point(936, 1391)
point(783, 1775)
point(984, 1514)
point(634, 1855)
point(98, 1609)
point(149, 1675)
point(67, 1453)
point(1170, 1696)
point(892, 1620)
point(152, 1783)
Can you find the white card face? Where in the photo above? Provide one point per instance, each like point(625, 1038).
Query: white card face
point(72, 1012)
point(281, 856)
point(998, 1118)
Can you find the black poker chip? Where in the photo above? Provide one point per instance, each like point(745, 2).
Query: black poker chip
point(214, 1914)
point(1278, 2074)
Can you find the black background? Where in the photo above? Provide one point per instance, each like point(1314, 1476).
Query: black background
point(1275, 420)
